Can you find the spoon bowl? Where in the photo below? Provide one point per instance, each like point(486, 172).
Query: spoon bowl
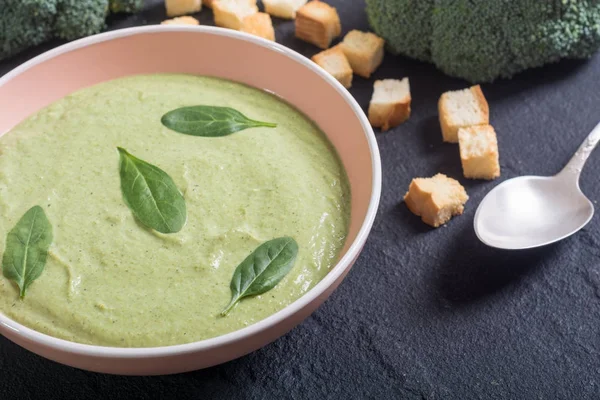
point(533, 211)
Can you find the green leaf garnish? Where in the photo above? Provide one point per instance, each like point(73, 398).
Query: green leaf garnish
point(209, 121)
point(262, 270)
point(151, 194)
point(26, 249)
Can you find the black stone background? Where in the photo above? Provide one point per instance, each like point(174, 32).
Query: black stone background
point(424, 313)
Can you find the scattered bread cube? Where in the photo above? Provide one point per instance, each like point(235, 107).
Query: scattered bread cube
point(259, 24)
point(479, 152)
point(335, 62)
point(436, 200)
point(318, 23)
point(208, 3)
point(461, 109)
point(176, 8)
point(283, 8)
point(390, 104)
point(185, 20)
point(231, 13)
point(364, 51)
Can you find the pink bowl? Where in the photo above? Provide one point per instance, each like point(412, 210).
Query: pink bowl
point(203, 51)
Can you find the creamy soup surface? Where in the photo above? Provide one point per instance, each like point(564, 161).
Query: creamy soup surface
point(109, 280)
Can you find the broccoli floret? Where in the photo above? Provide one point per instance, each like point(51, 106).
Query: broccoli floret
point(126, 6)
point(78, 18)
point(396, 21)
point(25, 23)
point(481, 40)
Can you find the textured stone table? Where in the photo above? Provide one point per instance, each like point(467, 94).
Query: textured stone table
point(424, 314)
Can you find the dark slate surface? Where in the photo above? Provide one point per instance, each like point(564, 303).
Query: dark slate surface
point(424, 314)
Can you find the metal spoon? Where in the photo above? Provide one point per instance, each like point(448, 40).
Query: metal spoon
point(533, 211)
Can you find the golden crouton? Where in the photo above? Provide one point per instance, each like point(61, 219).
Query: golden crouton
point(259, 24)
point(390, 104)
point(231, 13)
point(364, 51)
point(461, 109)
point(436, 200)
point(318, 23)
point(283, 8)
point(334, 61)
point(176, 8)
point(186, 20)
point(479, 152)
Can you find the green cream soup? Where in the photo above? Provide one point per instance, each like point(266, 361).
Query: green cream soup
point(111, 281)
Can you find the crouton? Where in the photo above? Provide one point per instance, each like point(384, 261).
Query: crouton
point(208, 3)
point(231, 13)
point(259, 24)
point(186, 20)
point(436, 200)
point(318, 23)
point(334, 61)
point(364, 51)
point(390, 104)
point(461, 109)
point(283, 8)
point(176, 8)
point(479, 152)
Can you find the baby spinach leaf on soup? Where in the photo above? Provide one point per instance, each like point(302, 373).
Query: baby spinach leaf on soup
point(262, 270)
point(209, 121)
point(151, 194)
point(26, 249)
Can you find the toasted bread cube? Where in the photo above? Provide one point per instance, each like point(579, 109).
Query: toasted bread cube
point(479, 152)
point(461, 109)
point(318, 23)
point(208, 3)
point(335, 62)
point(364, 51)
point(176, 8)
point(436, 200)
point(185, 20)
point(390, 104)
point(231, 13)
point(259, 24)
point(283, 8)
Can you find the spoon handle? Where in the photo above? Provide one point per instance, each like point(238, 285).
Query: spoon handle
point(575, 165)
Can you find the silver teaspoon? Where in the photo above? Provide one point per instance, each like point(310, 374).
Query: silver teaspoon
point(533, 211)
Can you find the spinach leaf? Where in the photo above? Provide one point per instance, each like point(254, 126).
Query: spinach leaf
point(262, 270)
point(26, 249)
point(151, 194)
point(209, 121)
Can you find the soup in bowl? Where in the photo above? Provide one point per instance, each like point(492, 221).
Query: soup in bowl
point(165, 211)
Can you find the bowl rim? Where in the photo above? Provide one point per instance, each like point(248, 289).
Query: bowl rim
point(342, 265)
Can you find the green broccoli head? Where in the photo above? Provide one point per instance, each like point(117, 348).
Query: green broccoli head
point(405, 24)
point(481, 40)
point(25, 23)
point(126, 6)
point(78, 18)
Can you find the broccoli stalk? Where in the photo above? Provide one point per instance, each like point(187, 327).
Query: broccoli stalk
point(481, 40)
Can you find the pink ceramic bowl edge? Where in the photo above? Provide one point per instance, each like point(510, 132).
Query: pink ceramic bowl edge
point(181, 49)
